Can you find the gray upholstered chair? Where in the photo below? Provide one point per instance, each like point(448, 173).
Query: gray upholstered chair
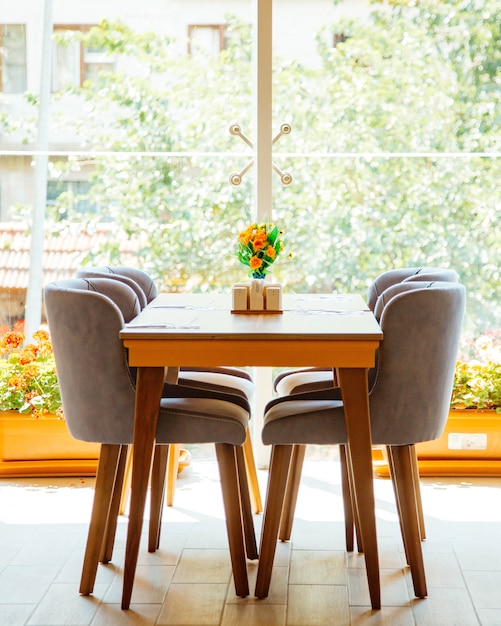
point(409, 403)
point(311, 380)
point(85, 317)
point(220, 379)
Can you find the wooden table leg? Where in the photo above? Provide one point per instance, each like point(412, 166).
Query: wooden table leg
point(354, 390)
point(148, 394)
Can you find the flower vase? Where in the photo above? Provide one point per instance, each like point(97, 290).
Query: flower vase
point(256, 294)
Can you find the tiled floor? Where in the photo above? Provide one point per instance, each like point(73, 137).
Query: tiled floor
point(187, 582)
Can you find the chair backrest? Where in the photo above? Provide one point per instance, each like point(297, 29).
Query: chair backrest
point(410, 399)
point(85, 317)
point(140, 280)
point(396, 276)
point(388, 294)
point(434, 273)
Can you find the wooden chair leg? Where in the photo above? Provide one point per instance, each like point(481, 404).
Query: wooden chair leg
point(105, 482)
point(111, 524)
point(419, 502)
point(172, 468)
point(250, 464)
point(417, 492)
point(289, 507)
point(245, 501)
point(405, 486)
point(354, 507)
point(275, 494)
point(393, 476)
point(228, 472)
point(126, 484)
point(349, 519)
point(158, 472)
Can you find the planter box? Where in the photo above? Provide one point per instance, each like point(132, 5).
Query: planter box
point(43, 447)
point(469, 446)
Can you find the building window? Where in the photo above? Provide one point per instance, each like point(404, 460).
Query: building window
point(206, 39)
point(73, 63)
point(13, 58)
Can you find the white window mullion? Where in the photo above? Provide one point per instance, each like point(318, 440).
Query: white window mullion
point(263, 109)
point(263, 186)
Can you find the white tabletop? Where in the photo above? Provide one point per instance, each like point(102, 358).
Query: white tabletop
point(209, 315)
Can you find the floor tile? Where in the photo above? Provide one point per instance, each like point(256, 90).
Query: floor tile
point(63, 606)
point(447, 607)
point(193, 604)
point(310, 605)
point(485, 589)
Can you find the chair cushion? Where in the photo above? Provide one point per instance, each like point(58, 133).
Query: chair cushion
point(217, 381)
point(305, 380)
point(201, 420)
point(315, 422)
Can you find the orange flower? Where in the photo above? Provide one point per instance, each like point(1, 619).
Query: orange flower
point(28, 354)
point(10, 341)
point(28, 379)
point(41, 336)
point(255, 262)
point(259, 241)
point(32, 370)
point(270, 252)
point(17, 381)
point(244, 238)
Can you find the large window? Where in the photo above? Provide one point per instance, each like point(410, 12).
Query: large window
point(393, 153)
point(13, 58)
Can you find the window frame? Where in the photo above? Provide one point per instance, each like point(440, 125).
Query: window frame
point(86, 57)
point(2, 58)
point(221, 28)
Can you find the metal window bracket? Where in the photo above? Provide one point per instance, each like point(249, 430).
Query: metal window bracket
point(235, 178)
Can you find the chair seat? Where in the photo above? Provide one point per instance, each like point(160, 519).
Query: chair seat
point(201, 420)
point(217, 381)
point(303, 380)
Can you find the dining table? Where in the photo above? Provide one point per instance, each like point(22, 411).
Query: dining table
point(200, 330)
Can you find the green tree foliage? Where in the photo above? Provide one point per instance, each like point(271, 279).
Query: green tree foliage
point(390, 151)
